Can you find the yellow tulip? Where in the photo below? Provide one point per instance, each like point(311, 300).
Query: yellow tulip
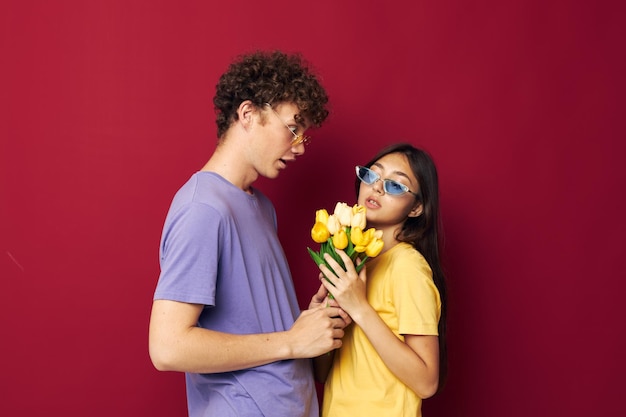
point(343, 212)
point(368, 235)
point(319, 232)
point(356, 236)
point(361, 239)
point(357, 208)
point(340, 239)
point(321, 216)
point(333, 224)
point(359, 248)
point(358, 216)
point(374, 247)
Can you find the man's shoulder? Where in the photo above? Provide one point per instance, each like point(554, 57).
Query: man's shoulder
point(202, 187)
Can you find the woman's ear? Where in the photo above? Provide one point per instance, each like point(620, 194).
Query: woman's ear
point(417, 210)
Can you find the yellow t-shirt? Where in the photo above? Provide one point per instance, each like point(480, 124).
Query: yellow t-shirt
point(401, 290)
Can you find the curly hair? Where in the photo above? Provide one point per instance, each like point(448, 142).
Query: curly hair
point(269, 77)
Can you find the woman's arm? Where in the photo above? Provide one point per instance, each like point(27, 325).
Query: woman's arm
point(414, 361)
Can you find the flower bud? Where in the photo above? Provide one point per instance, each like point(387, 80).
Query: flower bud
point(358, 217)
point(359, 248)
point(356, 236)
point(333, 224)
point(374, 247)
point(340, 239)
point(368, 236)
point(321, 216)
point(343, 213)
point(319, 232)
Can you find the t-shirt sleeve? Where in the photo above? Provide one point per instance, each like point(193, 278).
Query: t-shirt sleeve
point(416, 297)
point(190, 255)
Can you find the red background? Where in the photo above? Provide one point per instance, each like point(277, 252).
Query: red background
point(106, 111)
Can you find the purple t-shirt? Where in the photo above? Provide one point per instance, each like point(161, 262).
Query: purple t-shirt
point(220, 248)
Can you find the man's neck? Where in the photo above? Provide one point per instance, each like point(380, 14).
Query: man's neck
point(230, 165)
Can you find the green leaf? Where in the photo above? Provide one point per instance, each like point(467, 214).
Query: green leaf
point(316, 257)
point(361, 265)
point(350, 248)
point(332, 252)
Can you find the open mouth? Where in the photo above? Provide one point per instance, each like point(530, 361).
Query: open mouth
point(283, 163)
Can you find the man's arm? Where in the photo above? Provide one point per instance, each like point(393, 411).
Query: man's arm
point(177, 344)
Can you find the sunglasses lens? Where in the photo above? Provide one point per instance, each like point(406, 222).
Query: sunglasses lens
point(300, 139)
point(391, 187)
point(366, 175)
point(395, 188)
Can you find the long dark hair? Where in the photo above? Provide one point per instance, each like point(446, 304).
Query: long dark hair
point(424, 231)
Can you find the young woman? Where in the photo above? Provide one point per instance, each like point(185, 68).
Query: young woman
point(393, 355)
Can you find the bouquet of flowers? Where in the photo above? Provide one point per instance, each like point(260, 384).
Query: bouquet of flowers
point(344, 229)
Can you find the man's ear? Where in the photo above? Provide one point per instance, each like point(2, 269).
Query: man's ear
point(245, 111)
point(417, 210)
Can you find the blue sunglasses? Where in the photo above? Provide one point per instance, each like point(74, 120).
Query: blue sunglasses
point(391, 187)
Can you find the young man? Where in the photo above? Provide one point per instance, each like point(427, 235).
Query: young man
point(225, 311)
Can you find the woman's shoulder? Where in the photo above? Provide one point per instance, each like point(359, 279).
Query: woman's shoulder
point(404, 255)
point(405, 250)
